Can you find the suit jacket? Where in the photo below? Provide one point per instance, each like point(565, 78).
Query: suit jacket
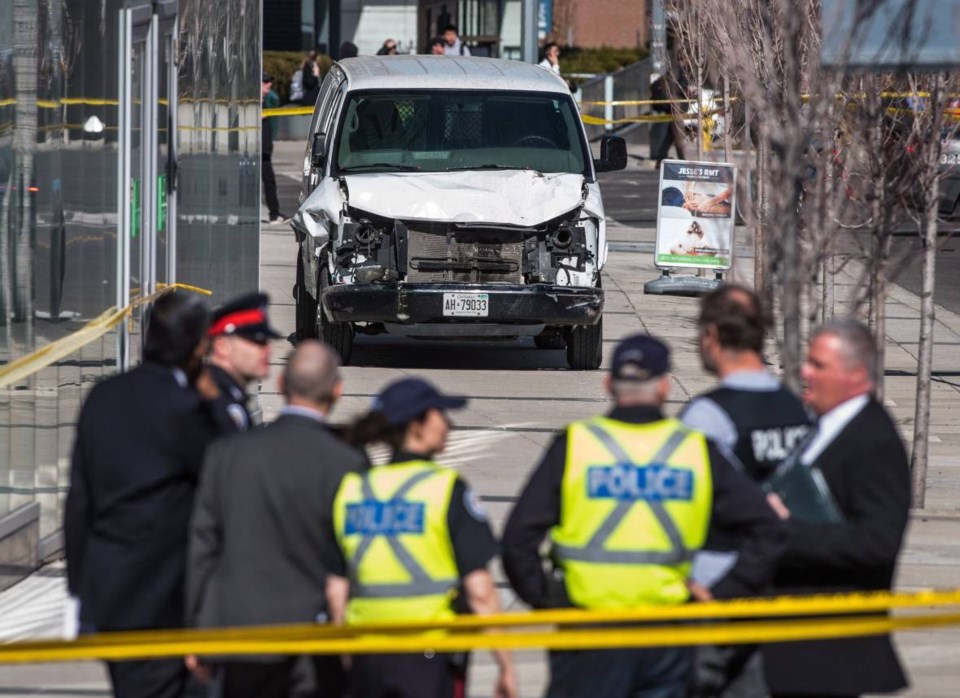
point(136, 461)
point(867, 471)
point(256, 535)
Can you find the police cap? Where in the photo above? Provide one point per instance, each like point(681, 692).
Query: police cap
point(640, 357)
point(406, 399)
point(244, 316)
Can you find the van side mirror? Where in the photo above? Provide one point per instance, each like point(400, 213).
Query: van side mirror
point(613, 154)
point(316, 150)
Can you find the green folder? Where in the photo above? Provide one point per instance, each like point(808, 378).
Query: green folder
point(803, 489)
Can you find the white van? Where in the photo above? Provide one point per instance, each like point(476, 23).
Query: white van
point(448, 197)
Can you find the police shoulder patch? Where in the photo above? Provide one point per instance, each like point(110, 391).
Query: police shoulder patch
point(472, 503)
point(238, 415)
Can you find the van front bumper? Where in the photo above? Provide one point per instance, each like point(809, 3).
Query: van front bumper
point(520, 304)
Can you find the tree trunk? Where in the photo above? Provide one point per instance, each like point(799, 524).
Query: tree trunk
point(759, 259)
point(828, 287)
point(921, 420)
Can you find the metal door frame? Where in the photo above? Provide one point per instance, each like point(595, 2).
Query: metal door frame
point(142, 26)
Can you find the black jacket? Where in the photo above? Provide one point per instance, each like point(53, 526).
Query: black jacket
point(257, 531)
point(229, 409)
point(738, 504)
point(867, 472)
point(140, 444)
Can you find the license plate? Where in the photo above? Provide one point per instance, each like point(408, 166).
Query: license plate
point(466, 304)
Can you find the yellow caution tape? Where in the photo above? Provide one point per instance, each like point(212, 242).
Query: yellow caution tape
point(638, 102)
point(320, 640)
point(20, 369)
point(287, 111)
point(836, 620)
point(646, 118)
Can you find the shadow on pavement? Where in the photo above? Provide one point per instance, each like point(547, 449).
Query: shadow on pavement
point(397, 352)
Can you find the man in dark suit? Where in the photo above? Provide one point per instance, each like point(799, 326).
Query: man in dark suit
point(140, 442)
point(257, 534)
point(861, 455)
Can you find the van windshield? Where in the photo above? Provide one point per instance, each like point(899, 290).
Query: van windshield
point(451, 130)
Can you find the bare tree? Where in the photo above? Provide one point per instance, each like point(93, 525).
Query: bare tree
point(841, 158)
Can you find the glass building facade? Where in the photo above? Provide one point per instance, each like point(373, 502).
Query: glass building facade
point(129, 158)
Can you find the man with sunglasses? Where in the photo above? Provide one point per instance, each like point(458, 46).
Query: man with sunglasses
point(240, 337)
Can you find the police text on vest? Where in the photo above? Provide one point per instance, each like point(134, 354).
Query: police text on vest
point(652, 483)
point(374, 518)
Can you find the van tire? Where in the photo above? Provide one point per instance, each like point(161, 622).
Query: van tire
point(306, 311)
point(585, 347)
point(338, 335)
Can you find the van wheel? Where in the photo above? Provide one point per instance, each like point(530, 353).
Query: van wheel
point(338, 335)
point(306, 313)
point(585, 347)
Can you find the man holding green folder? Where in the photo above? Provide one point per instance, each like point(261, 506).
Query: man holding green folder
point(857, 449)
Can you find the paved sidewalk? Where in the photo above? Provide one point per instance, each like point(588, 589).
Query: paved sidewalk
point(502, 433)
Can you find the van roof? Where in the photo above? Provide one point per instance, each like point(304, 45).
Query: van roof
point(448, 73)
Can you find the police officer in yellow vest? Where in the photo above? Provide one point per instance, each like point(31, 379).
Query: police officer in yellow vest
point(411, 537)
point(626, 499)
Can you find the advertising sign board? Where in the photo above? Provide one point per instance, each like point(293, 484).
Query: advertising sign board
point(696, 214)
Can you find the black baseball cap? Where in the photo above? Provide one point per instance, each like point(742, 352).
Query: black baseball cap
point(406, 399)
point(640, 357)
point(266, 77)
point(244, 316)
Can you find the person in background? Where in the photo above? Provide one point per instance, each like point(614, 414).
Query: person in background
point(240, 335)
point(405, 540)
point(436, 46)
point(761, 422)
point(348, 49)
point(256, 535)
point(626, 500)
point(270, 100)
point(296, 80)
point(311, 82)
point(858, 450)
point(140, 443)
point(453, 46)
point(663, 134)
point(389, 48)
point(551, 57)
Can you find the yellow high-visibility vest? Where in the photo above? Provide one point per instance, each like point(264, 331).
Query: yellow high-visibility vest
point(635, 505)
point(391, 524)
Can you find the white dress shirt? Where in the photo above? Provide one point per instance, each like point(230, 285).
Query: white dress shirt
point(831, 424)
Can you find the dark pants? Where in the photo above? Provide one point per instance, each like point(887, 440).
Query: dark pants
point(662, 136)
point(294, 677)
point(269, 186)
point(161, 678)
point(629, 673)
point(729, 671)
point(404, 676)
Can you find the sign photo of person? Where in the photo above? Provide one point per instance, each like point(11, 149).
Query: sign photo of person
point(696, 214)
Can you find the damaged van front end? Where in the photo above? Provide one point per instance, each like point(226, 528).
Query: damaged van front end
point(483, 250)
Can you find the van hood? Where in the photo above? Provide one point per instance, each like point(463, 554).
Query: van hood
point(505, 197)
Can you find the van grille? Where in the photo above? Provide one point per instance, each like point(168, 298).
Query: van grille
point(477, 256)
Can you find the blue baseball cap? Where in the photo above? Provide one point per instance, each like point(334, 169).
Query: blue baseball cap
point(406, 399)
point(640, 357)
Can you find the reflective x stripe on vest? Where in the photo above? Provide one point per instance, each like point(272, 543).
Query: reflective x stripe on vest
point(595, 549)
point(420, 583)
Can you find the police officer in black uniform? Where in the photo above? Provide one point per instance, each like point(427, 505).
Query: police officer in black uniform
point(761, 422)
point(240, 337)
